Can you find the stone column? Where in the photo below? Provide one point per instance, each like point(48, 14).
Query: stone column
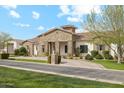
point(57, 47)
point(70, 47)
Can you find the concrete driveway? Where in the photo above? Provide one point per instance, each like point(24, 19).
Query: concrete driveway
point(84, 73)
point(70, 62)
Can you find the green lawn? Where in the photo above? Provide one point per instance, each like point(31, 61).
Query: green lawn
point(26, 79)
point(110, 64)
point(28, 60)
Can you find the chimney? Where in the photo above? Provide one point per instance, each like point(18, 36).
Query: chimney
point(69, 28)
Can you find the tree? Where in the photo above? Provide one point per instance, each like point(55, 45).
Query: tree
point(4, 38)
point(107, 27)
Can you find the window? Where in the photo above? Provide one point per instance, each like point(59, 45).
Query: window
point(66, 48)
point(100, 47)
point(83, 49)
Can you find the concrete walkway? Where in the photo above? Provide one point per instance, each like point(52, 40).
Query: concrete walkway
point(70, 62)
point(84, 73)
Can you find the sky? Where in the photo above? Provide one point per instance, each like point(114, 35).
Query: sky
point(28, 21)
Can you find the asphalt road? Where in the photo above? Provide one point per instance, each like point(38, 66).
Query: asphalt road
point(86, 73)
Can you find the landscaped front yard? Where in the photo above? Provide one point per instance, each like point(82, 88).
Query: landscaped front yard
point(18, 78)
point(110, 64)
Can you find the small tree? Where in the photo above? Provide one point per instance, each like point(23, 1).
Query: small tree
point(23, 51)
point(107, 27)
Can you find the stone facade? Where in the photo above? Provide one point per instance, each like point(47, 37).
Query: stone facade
point(63, 40)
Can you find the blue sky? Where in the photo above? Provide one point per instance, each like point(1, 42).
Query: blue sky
point(28, 21)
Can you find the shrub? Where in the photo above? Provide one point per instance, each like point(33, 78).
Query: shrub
point(98, 56)
point(23, 51)
point(49, 59)
point(94, 53)
point(77, 54)
point(105, 52)
point(4, 56)
point(108, 56)
point(59, 59)
point(88, 57)
point(70, 56)
point(16, 52)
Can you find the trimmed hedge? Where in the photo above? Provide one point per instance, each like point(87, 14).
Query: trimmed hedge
point(4, 56)
point(88, 57)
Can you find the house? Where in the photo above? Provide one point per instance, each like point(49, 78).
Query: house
point(12, 45)
point(64, 41)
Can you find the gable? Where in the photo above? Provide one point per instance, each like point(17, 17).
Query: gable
point(57, 35)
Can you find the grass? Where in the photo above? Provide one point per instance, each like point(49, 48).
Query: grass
point(28, 60)
point(12, 78)
point(110, 64)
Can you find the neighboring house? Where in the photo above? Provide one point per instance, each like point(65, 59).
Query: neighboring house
point(63, 40)
point(31, 46)
point(12, 45)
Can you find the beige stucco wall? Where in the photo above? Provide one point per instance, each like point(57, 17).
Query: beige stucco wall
point(90, 45)
point(62, 48)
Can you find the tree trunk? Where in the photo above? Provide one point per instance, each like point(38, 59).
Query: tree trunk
point(119, 59)
point(120, 54)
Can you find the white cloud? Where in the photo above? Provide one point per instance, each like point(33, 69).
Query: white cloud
point(64, 10)
point(81, 10)
point(73, 19)
point(35, 15)
point(22, 25)
point(40, 28)
point(14, 14)
point(76, 12)
point(10, 6)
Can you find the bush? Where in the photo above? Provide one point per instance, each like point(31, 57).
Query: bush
point(16, 52)
point(49, 59)
point(108, 56)
point(98, 56)
point(88, 57)
point(23, 51)
point(4, 56)
point(105, 52)
point(94, 53)
point(59, 59)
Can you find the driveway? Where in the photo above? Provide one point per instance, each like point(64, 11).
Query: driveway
point(70, 62)
point(84, 73)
